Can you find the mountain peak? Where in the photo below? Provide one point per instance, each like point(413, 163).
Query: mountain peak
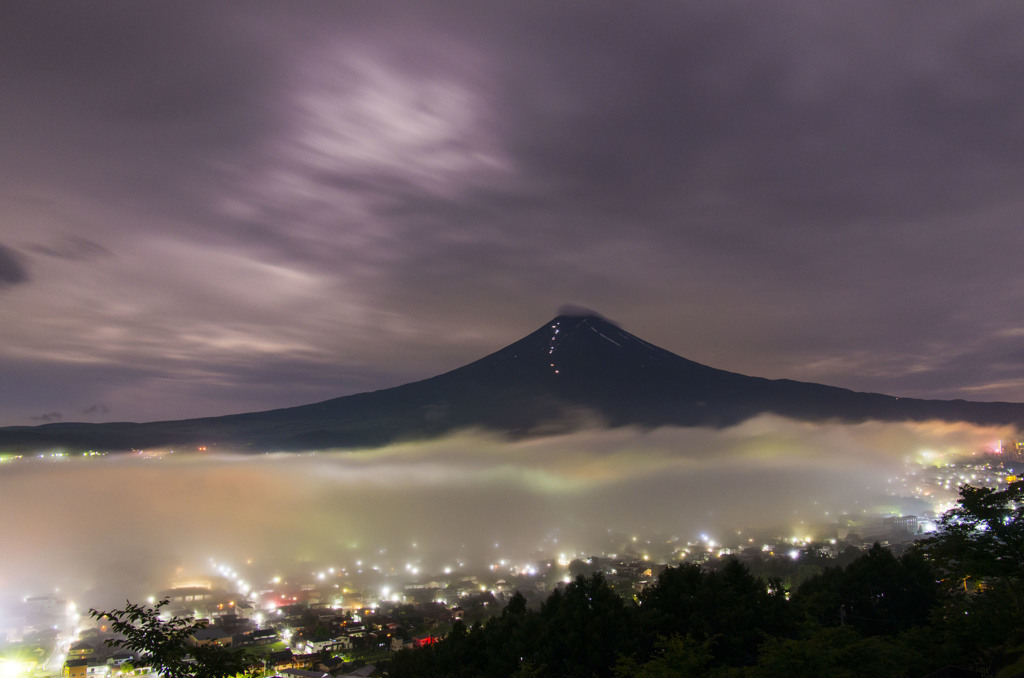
point(576, 311)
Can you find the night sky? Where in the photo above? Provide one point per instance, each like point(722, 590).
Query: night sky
point(219, 207)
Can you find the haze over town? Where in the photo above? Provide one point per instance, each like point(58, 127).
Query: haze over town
point(105, 528)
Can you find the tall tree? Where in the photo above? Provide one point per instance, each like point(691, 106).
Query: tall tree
point(983, 536)
point(980, 552)
point(877, 594)
point(727, 606)
point(583, 627)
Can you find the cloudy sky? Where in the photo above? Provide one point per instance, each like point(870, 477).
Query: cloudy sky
point(209, 208)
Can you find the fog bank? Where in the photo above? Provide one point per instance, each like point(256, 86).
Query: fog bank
point(121, 526)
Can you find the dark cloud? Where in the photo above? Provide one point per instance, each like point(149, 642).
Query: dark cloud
point(12, 270)
point(96, 409)
point(576, 310)
point(48, 417)
point(109, 90)
point(73, 248)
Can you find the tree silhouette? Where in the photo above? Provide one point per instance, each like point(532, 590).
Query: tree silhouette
point(728, 606)
point(877, 594)
point(164, 643)
point(983, 536)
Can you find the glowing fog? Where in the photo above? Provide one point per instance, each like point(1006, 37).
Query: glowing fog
point(108, 528)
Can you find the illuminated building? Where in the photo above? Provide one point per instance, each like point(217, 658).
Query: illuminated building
point(186, 594)
point(74, 668)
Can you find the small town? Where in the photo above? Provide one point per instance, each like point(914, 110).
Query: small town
point(339, 623)
point(321, 621)
point(313, 628)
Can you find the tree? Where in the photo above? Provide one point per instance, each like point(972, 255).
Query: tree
point(729, 607)
point(164, 643)
point(840, 652)
point(981, 542)
point(983, 536)
point(673, 657)
point(877, 594)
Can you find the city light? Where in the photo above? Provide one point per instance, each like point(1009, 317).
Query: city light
point(10, 668)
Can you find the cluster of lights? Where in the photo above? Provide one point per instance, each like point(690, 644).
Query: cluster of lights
point(55, 455)
point(228, 572)
point(152, 454)
point(52, 456)
point(551, 344)
point(13, 668)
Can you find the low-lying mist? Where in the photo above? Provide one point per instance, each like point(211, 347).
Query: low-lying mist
point(121, 526)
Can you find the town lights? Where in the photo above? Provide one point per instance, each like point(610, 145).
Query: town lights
point(10, 668)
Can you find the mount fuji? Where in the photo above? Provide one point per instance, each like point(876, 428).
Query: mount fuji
point(577, 370)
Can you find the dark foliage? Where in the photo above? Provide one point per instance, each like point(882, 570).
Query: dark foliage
point(983, 536)
point(164, 643)
point(586, 629)
point(979, 552)
point(728, 606)
point(876, 594)
point(578, 631)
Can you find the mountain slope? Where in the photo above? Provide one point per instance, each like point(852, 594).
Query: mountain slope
point(572, 372)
